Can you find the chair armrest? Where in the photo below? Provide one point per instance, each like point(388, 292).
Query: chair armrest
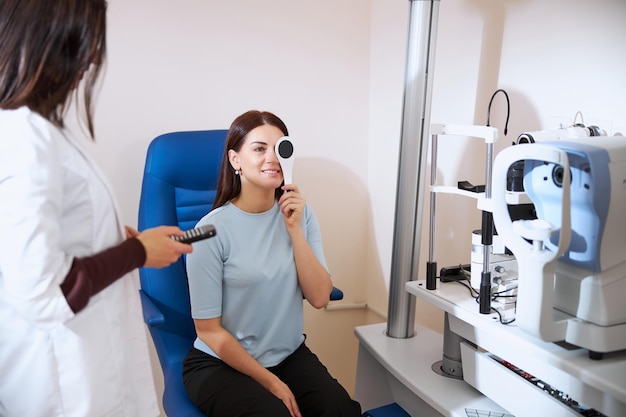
point(336, 294)
point(152, 316)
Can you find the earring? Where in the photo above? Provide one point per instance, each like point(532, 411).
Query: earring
point(236, 172)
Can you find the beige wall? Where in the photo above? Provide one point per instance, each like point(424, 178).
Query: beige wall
point(334, 70)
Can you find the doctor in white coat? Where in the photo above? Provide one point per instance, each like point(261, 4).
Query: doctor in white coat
point(72, 341)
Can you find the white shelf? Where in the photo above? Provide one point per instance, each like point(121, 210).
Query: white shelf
point(512, 198)
point(600, 384)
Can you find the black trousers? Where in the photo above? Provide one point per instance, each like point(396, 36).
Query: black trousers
point(221, 391)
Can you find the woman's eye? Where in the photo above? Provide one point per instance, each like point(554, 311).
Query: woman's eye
point(259, 149)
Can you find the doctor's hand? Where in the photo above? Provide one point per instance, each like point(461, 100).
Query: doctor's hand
point(161, 250)
point(130, 232)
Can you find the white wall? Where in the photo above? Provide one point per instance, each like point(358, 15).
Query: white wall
point(334, 71)
point(195, 64)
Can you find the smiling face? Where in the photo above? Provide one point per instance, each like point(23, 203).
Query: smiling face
point(256, 161)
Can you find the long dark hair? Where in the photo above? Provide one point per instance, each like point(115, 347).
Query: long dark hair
point(46, 46)
point(229, 184)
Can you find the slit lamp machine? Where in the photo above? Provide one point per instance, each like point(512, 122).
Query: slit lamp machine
point(571, 259)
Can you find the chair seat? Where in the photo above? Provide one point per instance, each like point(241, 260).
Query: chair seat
point(175, 396)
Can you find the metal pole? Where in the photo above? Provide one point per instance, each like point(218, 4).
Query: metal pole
point(412, 164)
point(431, 265)
point(451, 364)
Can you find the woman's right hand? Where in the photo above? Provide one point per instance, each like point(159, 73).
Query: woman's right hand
point(224, 344)
point(161, 250)
point(282, 391)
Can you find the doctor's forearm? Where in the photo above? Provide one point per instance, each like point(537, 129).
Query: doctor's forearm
point(92, 274)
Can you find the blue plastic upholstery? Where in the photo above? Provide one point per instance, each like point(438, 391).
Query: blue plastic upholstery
point(389, 410)
point(179, 185)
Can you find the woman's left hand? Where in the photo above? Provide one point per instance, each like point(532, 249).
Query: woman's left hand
point(292, 206)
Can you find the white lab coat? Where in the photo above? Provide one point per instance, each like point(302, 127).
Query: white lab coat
point(54, 206)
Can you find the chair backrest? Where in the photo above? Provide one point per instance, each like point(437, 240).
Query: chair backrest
point(179, 186)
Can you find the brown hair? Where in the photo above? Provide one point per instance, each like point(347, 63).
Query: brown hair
point(229, 184)
point(46, 47)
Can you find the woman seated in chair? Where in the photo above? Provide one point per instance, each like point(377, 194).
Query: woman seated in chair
point(246, 288)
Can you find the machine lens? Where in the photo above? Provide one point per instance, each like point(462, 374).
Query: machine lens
point(557, 175)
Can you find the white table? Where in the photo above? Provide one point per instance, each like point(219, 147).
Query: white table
point(400, 370)
point(600, 384)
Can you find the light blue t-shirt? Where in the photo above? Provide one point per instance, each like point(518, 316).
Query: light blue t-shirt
point(247, 275)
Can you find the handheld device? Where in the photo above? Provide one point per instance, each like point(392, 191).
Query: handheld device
point(194, 235)
point(285, 153)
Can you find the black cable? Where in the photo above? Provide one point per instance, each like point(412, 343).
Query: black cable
point(508, 109)
point(474, 295)
point(500, 316)
point(487, 222)
point(471, 290)
point(499, 293)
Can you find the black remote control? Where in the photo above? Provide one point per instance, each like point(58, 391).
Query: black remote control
point(194, 235)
